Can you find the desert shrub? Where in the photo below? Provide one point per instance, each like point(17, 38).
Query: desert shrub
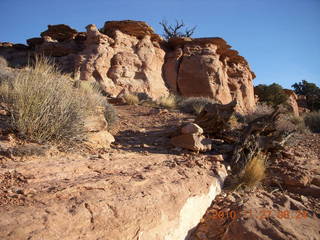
point(311, 91)
point(260, 110)
point(312, 121)
point(44, 104)
point(110, 115)
point(287, 122)
point(195, 105)
point(169, 101)
point(254, 171)
point(131, 98)
point(273, 94)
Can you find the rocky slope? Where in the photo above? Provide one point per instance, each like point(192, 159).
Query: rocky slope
point(288, 206)
point(129, 55)
point(141, 188)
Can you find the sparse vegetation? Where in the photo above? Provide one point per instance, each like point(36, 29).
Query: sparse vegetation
point(176, 30)
point(110, 115)
point(131, 98)
point(312, 121)
point(254, 171)
point(261, 110)
point(312, 93)
point(169, 101)
point(289, 123)
point(44, 104)
point(195, 105)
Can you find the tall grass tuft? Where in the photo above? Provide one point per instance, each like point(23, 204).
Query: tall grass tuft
point(169, 102)
point(195, 105)
point(44, 104)
point(131, 98)
point(254, 171)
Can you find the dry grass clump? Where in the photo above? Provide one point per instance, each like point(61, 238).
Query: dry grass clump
point(131, 98)
point(312, 121)
point(195, 105)
point(169, 102)
point(288, 123)
point(254, 171)
point(261, 110)
point(110, 115)
point(44, 104)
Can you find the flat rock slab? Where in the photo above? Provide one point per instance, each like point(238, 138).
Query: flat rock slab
point(118, 195)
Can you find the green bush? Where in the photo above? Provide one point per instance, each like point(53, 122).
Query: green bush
point(44, 104)
point(311, 91)
point(273, 94)
point(195, 105)
point(312, 121)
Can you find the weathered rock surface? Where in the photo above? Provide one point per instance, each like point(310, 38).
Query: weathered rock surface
point(129, 55)
point(97, 135)
point(17, 55)
point(60, 32)
point(120, 194)
point(258, 215)
point(191, 138)
point(289, 208)
point(192, 142)
point(208, 67)
point(292, 102)
point(191, 128)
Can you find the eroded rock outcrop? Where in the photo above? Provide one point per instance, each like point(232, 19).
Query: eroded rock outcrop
point(208, 67)
point(129, 55)
point(292, 101)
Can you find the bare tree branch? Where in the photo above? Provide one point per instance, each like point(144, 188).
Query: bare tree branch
point(170, 31)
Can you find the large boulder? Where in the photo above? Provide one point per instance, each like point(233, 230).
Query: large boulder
point(207, 67)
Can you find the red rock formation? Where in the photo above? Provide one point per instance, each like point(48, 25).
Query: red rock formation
point(129, 55)
point(207, 67)
point(60, 32)
point(292, 101)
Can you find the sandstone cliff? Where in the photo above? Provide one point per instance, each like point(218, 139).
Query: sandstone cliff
point(208, 67)
point(129, 55)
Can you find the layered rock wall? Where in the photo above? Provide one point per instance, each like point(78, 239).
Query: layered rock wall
point(129, 55)
point(207, 67)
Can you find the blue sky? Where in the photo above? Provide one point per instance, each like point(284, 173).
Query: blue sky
point(279, 38)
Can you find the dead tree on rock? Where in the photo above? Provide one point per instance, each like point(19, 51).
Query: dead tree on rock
point(170, 31)
point(261, 135)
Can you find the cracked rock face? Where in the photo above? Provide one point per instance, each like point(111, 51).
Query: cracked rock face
point(208, 68)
